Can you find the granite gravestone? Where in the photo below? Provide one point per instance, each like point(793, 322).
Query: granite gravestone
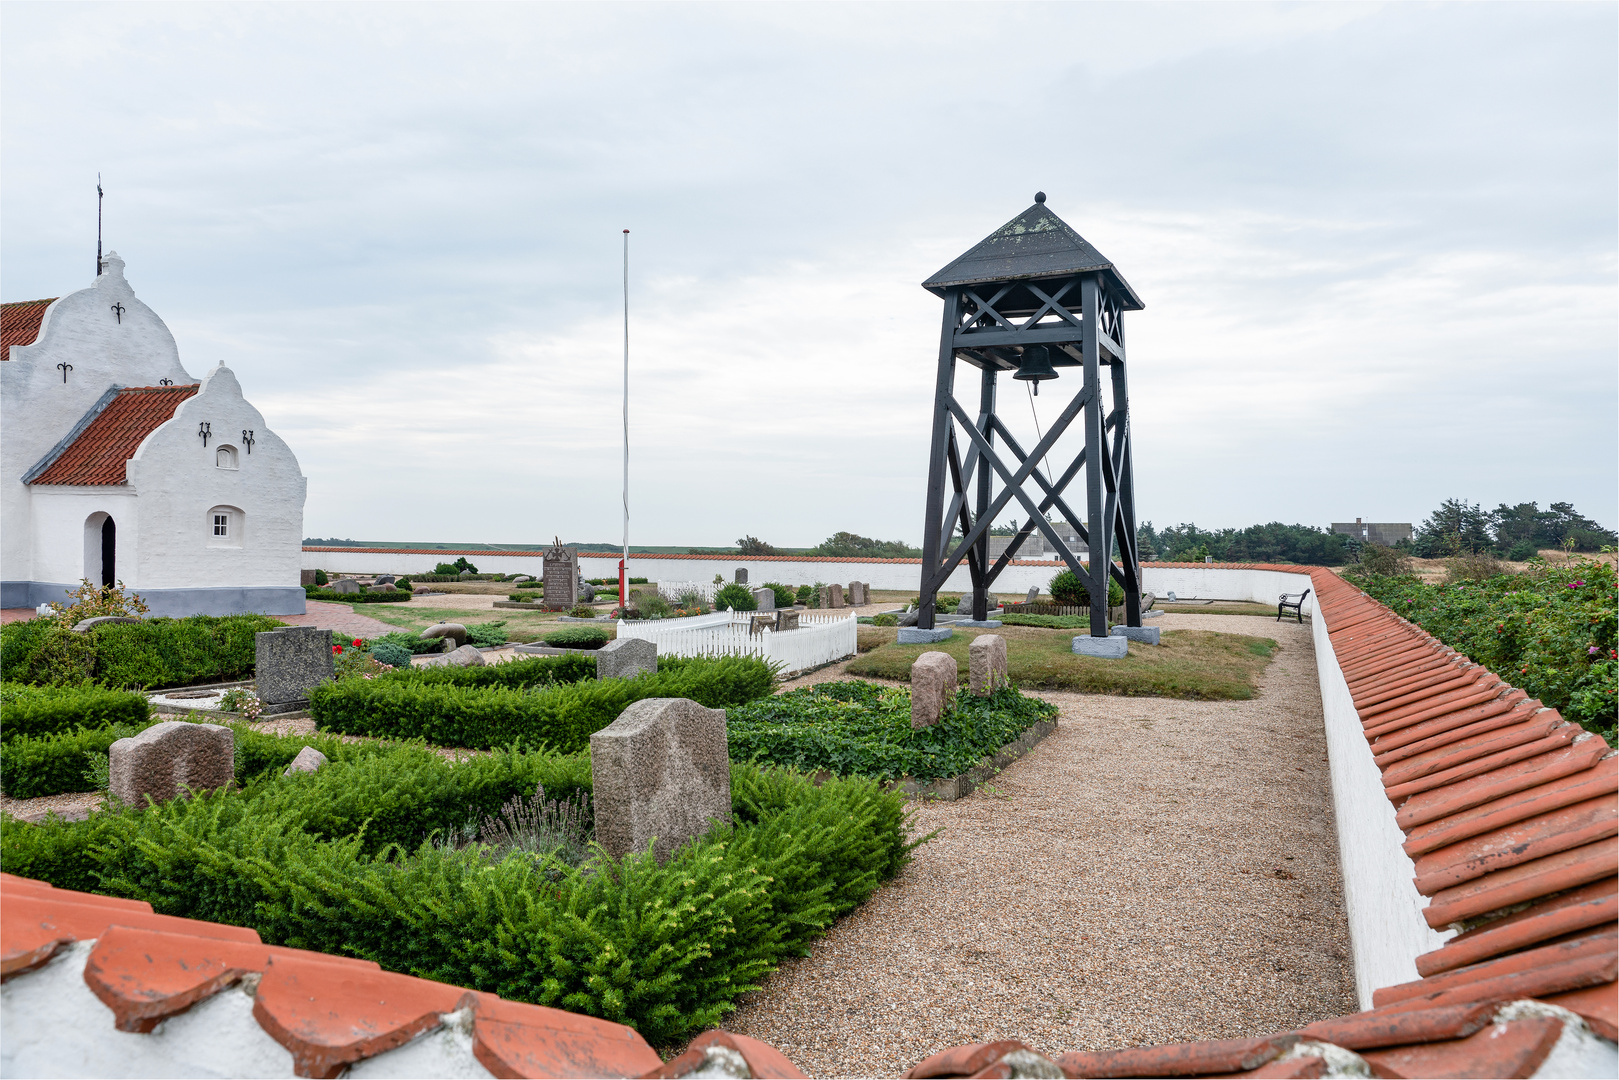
point(832, 597)
point(287, 662)
point(742, 575)
point(346, 585)
point(933, 687)
point(166, 759)
point(625, 658)
point(986, 664)
point(660, 775)
point(786, 620)
point(765, 599)
point(560, 577)
point(306, 577)
point(1034, 594)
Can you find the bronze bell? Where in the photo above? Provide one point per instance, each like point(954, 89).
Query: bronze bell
point(1035, 365)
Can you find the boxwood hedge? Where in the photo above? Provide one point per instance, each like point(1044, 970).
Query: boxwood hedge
point(144, 655)
point(345, 861)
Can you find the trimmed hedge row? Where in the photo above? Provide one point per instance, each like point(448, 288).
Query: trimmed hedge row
point(343, 861)
point(560, 717)
point(397, 597)
point(152, 653)
point(49, 710)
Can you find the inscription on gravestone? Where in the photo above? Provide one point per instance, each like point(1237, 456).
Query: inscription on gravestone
point(560, 576)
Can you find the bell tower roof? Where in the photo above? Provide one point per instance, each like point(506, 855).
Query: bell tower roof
point(1035, 244)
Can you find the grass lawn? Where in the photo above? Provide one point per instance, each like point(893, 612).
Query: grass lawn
point(1198, 664)
point(520, 625)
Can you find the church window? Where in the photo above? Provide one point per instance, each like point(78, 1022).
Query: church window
point(222, 525)
point(225, 457)
point(225, 525)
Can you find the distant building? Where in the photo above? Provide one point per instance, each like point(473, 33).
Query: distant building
point(119, 465)
point(1387, 533)
point(1036, 547)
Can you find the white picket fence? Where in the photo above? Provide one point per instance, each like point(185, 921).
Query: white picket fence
point(819, 639)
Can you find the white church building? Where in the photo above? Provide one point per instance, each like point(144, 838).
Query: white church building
point(119, 465)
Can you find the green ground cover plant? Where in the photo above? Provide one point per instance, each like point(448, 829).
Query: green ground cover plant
point(861, 729)
point(578, 637)
point(150, 654)
point(399, 596)
point(352, 860)
point(559, 716)
point(50, 710)
point(1197, 664)
point(1549, 630)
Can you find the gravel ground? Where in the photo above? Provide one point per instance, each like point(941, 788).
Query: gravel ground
point(1157, 870)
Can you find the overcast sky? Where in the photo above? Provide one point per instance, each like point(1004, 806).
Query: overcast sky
point(1376, 244)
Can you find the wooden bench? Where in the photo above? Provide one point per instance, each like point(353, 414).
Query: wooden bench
point(1293, 602)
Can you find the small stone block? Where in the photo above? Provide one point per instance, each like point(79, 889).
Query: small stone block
point(765, 599)
point(933, 687)
point(1147, 635)
point(986, 664)
point(289, 661)
point(452, 630)
point(1105, 648)
point(308, 760)
point(465, 656)
point(661, 773)
point(915, 635)
point(165, 759)
point(625, 658)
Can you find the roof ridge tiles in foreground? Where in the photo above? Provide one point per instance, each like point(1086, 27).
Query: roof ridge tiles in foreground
point(1593, 905)
point(1559, 737)
point(1600, 779)
point(1372, 693)
point(1423, 663)
point(1485, 687)
point(1177, 1059)
point(1599, 943)
point(1515, 1048)
point(1482, 788)
point(1377, 732)
point(1522, 883)
point(1377, 1028)
point(1520, 842)
point(1452, 685)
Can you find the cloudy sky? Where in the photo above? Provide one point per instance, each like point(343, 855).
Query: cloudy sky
point(1376, 244)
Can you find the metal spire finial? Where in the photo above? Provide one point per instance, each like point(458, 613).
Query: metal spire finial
point(1039, 196)
point(98, 224)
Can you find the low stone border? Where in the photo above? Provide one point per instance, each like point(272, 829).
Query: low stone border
point(952, 788)
point(552, 650)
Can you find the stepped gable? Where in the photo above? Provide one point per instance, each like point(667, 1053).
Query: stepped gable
point(20, 322)
point(1508, 811)
point(110, 434)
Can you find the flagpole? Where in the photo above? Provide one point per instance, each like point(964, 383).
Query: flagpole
point(623, 563)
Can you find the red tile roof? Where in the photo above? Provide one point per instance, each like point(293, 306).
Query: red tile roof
point(19, 323)
point(98, 455)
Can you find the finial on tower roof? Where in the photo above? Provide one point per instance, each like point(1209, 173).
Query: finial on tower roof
point(1039, 196)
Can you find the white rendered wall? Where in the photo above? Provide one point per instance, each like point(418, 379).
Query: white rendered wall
point(1386, 927)
point(178, 482)
point(38, 408)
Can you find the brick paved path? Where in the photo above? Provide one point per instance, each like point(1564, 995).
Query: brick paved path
point(340, 619)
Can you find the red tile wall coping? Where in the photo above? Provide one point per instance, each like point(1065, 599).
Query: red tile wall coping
point(1510, 813)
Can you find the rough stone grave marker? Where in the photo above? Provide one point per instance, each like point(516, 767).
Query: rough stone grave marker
point(306, 577)
point(560, 576)
point(165, 759)
point(986, 664)
point(346, 585)
point(287, 662)
point(1034, 594)
point(833, 596)
point(661, 773)
point(742, 575)
point(625, 658)
point(786, 620)
point(765, 598)
point(933, 687)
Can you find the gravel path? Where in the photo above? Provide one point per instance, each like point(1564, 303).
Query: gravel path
point(1156, 870)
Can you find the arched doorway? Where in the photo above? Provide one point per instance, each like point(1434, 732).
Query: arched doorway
point(100, 549)
point(109, 552)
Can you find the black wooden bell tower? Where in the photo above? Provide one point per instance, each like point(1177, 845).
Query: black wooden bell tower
point(1035, 299)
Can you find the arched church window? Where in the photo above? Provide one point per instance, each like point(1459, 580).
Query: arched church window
point(226, 526)
point(225, 457)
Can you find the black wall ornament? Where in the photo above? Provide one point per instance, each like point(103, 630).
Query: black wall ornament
point(165, 382)
point(206, 431)
point(1033, 298)
point(65, 367)
point(118, 310)
point(247, 439)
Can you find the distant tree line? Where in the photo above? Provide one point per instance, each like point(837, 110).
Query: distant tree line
point(1257, 543)
point(1517, 532)
point(841, 545)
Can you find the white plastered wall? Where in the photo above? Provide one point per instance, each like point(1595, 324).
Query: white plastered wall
point(38, 407)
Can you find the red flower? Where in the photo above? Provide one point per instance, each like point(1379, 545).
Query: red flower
point(357, 643)
point(337, 648)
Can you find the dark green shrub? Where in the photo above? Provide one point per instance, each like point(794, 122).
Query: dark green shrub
point(386, 652)
point(860, 729)
point(888, 618)
point(515, 674)
point(578, 637)
point(1066, 588)
point(786, 597)
point(667, 949)
point(487, 635)
point(404, 583)
point(525, 597)
point(1522, 551)
point(321, 578)
point(736, 597)
point(805, 595)
point(50, 710)
point(414, 643)
point(58, 763)
point(329, 595)
point(555, 717)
